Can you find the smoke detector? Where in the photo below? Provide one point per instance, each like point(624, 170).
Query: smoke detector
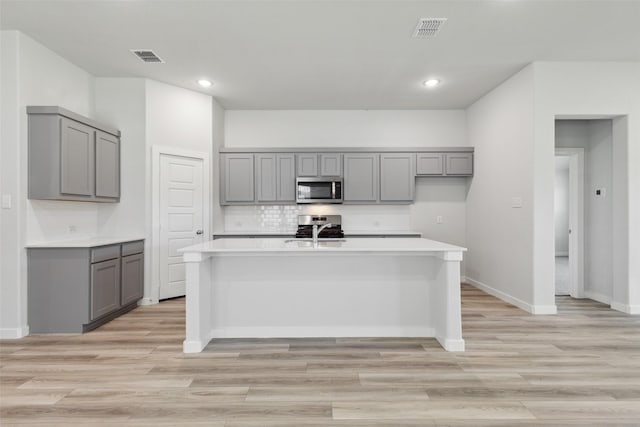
point(147, 55)
point(428, 27)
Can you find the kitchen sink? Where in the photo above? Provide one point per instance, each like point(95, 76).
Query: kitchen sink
point(308, 243)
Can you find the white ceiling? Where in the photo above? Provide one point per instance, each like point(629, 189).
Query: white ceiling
point(349, 54)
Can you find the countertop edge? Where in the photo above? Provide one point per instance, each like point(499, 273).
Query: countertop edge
point(87, 243)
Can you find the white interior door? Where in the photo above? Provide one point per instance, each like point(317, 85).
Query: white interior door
point(181, 218)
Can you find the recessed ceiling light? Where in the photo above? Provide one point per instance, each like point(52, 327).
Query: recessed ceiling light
point(204, 83)
point(431, 82)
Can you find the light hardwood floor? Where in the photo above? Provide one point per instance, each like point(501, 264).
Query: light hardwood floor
point(581, 367)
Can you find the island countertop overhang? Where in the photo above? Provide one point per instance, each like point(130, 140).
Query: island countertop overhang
point(253, 247)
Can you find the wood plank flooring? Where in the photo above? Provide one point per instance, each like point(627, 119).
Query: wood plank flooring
point(581, 367)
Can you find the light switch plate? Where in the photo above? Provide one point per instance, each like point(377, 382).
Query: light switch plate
point(6, 201)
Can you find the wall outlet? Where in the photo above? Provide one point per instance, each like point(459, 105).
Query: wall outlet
point(6, 201)
point(601, 192)
point(439, 219)
point(73, 229)
point(516, 202)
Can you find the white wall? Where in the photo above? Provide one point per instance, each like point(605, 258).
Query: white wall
point(568, 89)
point(217, 215)
point(595, 137)
point(500, 236)
point(561, 210)
point(33, 75)
point(357, 128)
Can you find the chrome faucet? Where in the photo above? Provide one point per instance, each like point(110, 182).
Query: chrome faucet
point(317, 231)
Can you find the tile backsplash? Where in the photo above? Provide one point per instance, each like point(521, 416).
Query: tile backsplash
point(276, 218)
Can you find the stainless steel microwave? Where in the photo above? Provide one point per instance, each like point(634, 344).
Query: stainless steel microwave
point(319, 190)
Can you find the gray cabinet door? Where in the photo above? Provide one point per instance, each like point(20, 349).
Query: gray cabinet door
point(286, 178)
point(307, 164)
point(430, 164)
point(397, 177)
point(107, 165)
point(105, 287)
point(76, 158)
point(238, 186)
point(361, 177)
point(266, 180)
point(331, 164)
point(132, 278)
point(459, 164)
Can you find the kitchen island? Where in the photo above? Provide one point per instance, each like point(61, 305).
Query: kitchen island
point(263, 288)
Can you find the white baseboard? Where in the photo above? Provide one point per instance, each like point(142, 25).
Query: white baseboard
point(625, 308)
point(451, 345)
point(321, 332)
point(597, 296)
point(13, 333)
point(533, 309)
point(147, 301)
point(562, 253)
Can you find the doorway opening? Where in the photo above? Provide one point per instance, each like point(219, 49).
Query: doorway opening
point(583, 209)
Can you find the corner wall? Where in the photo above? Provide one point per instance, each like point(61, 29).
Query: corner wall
point(500, 228)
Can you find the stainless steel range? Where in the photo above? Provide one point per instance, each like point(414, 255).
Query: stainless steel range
point(306, 223)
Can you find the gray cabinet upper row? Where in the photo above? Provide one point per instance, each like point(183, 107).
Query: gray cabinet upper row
point(71, 157)
point(369, 177)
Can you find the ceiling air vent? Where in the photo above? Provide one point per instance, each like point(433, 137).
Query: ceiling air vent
point(428, 27)
point(147, 55)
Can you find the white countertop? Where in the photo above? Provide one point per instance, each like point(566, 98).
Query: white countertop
point(258, 245)
point(84, 243)
point(293, 232)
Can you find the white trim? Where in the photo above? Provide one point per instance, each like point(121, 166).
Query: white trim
point(533, 309)
point(156, 152)
point(451, 345)
point(625, 308)
point(322, 331)
point(576, 219)
point(597, 296)
point(13, 333)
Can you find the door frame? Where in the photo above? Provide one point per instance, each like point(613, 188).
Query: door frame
point(156, 152)
point(576, 219)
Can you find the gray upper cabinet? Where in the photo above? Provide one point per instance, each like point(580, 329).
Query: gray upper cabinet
point(275, 178)
point(430, 164)
point(71, 157)
point(331, 164)
point(286, 178)
point(238, 179)
point(444, 164)
point(397, 177)
point(266, 178)
point(361, 177)
point(459, 164)
point(77, 145)
point(107, 165)
point(307, 164)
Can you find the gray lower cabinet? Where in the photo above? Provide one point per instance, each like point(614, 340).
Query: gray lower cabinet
point(360, 177)
point(237, 184)
point(74, 290)
point(71, 157)
point(132, 278)
point(105, 287)
point(397, 177)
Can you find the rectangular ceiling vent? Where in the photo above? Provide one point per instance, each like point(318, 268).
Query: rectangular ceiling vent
point(428, 27)
point(147, 55)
